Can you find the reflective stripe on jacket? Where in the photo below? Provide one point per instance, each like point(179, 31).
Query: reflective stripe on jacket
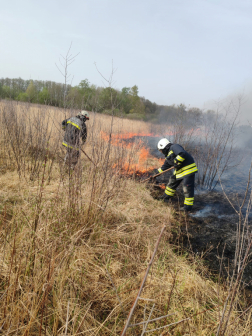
point(186, 170)
point(75, 128)
point(67, 145)
point(183, 161)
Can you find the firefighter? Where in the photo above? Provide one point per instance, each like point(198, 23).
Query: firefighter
point(185, 169)
point(75, 128)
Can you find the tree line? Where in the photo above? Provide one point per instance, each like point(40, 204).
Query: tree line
point(125, 102)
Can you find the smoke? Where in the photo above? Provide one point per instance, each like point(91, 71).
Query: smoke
point(246, 108)
point(244, 96)
point(240, 99)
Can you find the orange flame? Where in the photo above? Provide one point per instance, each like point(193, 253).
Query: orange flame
point(125, 136)
point(145, 161)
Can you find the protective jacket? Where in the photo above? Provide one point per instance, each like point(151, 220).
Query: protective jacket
point(75, 129)
point(179, 158)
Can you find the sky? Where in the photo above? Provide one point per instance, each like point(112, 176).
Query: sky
point(176, 51)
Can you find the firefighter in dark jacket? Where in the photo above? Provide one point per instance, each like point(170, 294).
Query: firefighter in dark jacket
point(75, 128)
point(185, 169)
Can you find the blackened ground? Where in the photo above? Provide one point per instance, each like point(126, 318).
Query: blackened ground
point(210, 230)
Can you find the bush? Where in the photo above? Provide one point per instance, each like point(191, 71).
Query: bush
point(23, 97)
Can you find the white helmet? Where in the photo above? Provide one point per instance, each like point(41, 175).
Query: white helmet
point(162, 144)
point(84, 114)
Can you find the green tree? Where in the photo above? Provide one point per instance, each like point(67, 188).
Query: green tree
point(56, 92)
point(84, 85)
point(126, 103)
point(93, 100)
point(31, 92)
point(137, 104)
point(23, 97)
point(150, 108)
point(87, 92)
point(74, 98)
point(44, 96)
point(6, 91)
point(108, 99)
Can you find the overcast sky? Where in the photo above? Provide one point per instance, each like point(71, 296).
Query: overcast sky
point(175, 51)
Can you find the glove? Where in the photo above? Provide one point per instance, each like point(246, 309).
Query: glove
point(155, 172)
point(165, 198)
point(176, 164)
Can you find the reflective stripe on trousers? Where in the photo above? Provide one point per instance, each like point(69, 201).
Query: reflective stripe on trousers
point(189, 200)
point(169, 191)
point(188, 187)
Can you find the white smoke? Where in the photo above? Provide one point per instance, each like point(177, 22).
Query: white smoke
point(246, 109)
point(242, 97)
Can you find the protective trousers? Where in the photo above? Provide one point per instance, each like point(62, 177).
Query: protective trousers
point(71, 158)
point(188, 188)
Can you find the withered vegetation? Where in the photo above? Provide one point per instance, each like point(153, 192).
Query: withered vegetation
point(75, 245)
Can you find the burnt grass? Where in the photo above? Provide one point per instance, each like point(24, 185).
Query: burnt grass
point(209, 231)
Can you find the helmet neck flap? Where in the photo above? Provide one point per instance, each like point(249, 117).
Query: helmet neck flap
point(165, 151)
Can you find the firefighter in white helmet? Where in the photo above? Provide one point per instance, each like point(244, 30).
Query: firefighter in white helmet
point(185, 169)
point(75, 129)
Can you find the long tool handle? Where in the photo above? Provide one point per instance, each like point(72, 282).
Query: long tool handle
point(88, 157)
point(157, 174)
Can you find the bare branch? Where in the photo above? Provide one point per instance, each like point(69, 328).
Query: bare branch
point(155, 319)
point(147, 322)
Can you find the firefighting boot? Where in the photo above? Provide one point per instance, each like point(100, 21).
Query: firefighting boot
point(187, 209)
point(165, 198)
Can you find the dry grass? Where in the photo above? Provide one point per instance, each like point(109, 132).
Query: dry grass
point(65, 236)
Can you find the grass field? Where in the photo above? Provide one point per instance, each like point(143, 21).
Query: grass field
point(75, 245)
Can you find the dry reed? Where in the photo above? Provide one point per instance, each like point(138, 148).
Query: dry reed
point(63, 232)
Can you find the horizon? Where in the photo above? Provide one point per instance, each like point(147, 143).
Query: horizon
point(175, 52)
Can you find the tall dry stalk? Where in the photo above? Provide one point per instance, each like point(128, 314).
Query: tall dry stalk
point(243, 252)
point(215, 150)
point(63, 225)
